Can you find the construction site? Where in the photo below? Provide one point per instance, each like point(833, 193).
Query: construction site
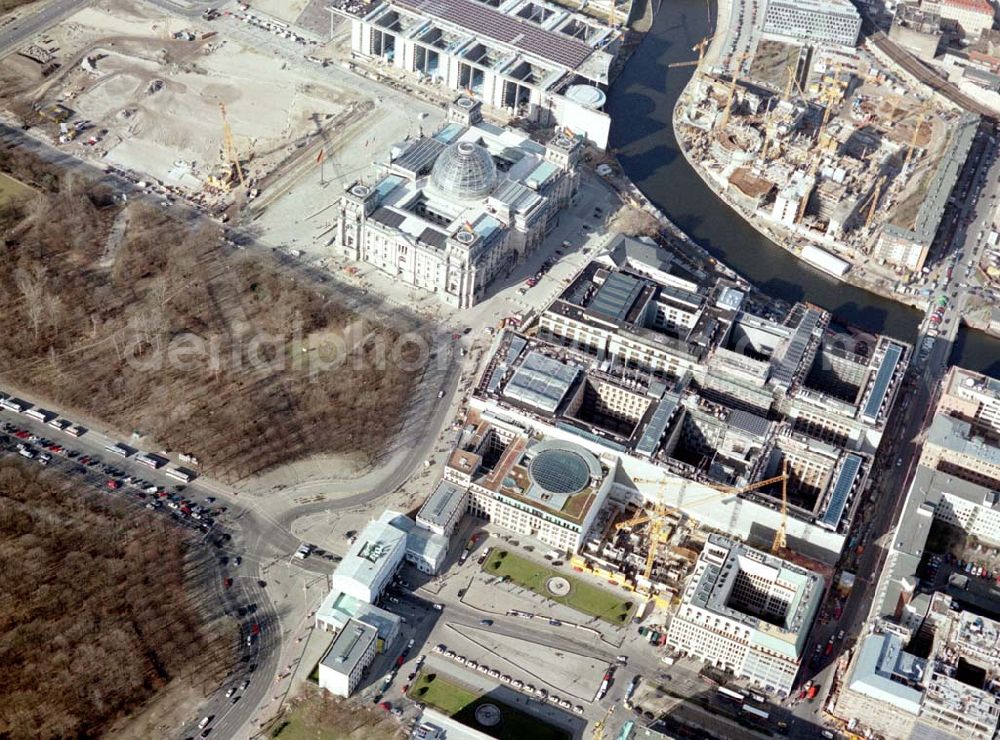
point(827, 153)
point(179, 104)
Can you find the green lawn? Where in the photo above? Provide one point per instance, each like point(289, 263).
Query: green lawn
point(582, 596)
point(460, 703)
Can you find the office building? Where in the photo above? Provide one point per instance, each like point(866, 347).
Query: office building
point(953, 446)
point(747, 612)
point(371, 562)
point(532, 58)
point(968, 17)
point(455, 210)
point(833, 22)
point(426, 550)
point(642, 358)
point(548, 489)
point(339, 608)
point(350, 654)
point(443, 508)
point(944, 691)
point(972, 397)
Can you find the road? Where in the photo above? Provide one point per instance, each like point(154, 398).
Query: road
point(238, 531)
point(897, 461)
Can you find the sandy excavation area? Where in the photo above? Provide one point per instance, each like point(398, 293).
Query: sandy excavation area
point(153, 100)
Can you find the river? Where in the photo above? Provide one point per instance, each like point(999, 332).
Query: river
point(641, 103)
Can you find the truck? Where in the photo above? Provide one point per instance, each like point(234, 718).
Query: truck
point(811, 693)
point(605, 685)
point(633, 684)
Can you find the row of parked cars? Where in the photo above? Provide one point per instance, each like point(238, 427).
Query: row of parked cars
point(528, 688)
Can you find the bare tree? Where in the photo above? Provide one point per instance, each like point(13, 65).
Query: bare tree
point(31, 283)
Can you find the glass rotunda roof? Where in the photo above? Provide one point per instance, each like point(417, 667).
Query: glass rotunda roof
point(465, 171)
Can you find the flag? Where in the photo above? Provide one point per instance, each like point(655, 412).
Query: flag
point(321, 156)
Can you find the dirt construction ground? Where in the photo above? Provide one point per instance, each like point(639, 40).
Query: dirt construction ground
point(157, 97)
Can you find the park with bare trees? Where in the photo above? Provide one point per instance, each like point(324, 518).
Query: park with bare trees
point(149, 321)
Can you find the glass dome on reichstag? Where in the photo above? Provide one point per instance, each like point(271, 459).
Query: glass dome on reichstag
point(465, 170)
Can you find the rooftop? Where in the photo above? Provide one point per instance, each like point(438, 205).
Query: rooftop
point(339, 608)
point(369, 555)
point(880, 657)
point(482, 20)
point(774, 597)
point(957, 435)
point(349, 647)
point(440, 506)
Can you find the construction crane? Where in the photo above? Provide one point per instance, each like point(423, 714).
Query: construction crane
point(656, 516)
point(792, 73)
point(780, 543)
point(700, 48)
point(916, 133)
point(732, 91)
point(876, 192)
point(599, 725)
point(832, 94)
point(229, 148)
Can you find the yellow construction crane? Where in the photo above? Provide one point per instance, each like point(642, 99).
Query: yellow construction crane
point(780, 542)
point(656, 515)
point(876, 192)
point(599, 725)
point(788, 85)
point(732, 91)
point(229, 147)
point(916, 133)
point(700, 48)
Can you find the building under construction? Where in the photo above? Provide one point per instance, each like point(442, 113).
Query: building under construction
point(829, 153)
point(759, 428)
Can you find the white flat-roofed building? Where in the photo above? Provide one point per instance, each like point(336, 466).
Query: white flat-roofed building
point(339, 608)
point(443, 508)
point(834, 22)
point(746, 611)
point(538, 59)
point(425, 550)
point(371, 562)
point(454, 210)
point(351, 652)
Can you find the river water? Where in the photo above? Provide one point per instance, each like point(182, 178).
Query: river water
point(641, 103)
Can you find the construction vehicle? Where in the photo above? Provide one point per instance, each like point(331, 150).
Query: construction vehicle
point(599, 725)
point(229, 148)
point(780, 544)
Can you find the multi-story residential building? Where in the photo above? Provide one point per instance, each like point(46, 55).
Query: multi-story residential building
point(455, 210)
point(534, 58)
point(906, 243)
point(834, 22)
point(747, 612)
point(349, 655)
